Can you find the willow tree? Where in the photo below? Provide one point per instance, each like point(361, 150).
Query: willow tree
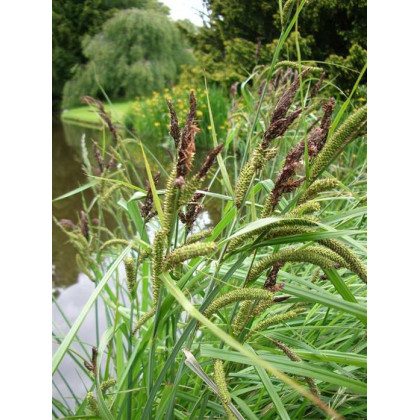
point(137, 52)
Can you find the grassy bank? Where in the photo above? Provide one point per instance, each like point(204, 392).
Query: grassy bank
point(88, 115)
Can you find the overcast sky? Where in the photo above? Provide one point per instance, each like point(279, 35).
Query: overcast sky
point(187, 9)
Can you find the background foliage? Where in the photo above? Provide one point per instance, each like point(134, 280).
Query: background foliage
point(330, 30)
point(137, 52)
point(72, 20)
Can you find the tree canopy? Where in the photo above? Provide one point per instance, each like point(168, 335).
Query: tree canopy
point(136, 53)
point(241, 33)
point(72, 20)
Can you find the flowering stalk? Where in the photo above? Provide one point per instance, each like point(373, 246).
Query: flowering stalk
point(186, 252)
point(84, 225)
point(195, 183)
point(175, 131)
point(274, 320)
point(295, 358)
point(103, 114)
point(199, 236)
point(312, 254)
point(318, 186)
point(130, 271)
point(192, 211)
point(285, 181)
point(279, 123)
point(282, 221)
point(146, 210)
point(109, 383)
point(157, 262)
point(220, 380)
point(143, 319)
point(305, 208)
point(343, 136)
point(186, 149)
point(353, 263)
point(92, 403)
point(237, 295)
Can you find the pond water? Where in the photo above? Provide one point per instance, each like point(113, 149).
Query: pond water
point(71, 289)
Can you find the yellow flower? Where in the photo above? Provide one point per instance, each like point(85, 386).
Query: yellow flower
point(157, 124)
point(166, 90)
point(209, 127)
point(199, 113)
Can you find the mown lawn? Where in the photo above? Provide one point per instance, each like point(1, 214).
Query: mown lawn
point(87, 114)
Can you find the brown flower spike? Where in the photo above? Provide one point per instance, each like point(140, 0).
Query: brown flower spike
point(186, 149)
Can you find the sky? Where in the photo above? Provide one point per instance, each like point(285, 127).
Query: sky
point(187, 9)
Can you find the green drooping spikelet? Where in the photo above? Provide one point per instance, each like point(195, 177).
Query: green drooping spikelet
point(186, 252)
point(282, 221)
point(287, 231)
point(130, 271)
point(333, 256)
point(113, 242)
point(199, 236)
point(287, 8)
point(110, 191)
point(293, 64)
point(295, 358)
point(273, 320)
point(316, 276)
point(220, 380)
point(157, 262)
point(169, 201)
point(245, 178)
point(189, 189)
point(109, 383)
point(242, 317)
point(257, 161)
point(344, 135)
point(269, 203)
point(306, 208)
point(237, 295)
point(312, 254)
point(353, 263)
point(80, 242)
point(318, 186)
point(261, 307)
point(143, 254)
point(82, 265)
point(143, 319)
point(92, 403)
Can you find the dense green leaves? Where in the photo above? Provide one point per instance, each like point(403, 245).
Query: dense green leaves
point(136, 52)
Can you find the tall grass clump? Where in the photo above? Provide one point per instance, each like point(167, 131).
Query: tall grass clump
point(264, 315)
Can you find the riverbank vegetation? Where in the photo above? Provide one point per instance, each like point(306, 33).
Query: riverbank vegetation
point(261, 314)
